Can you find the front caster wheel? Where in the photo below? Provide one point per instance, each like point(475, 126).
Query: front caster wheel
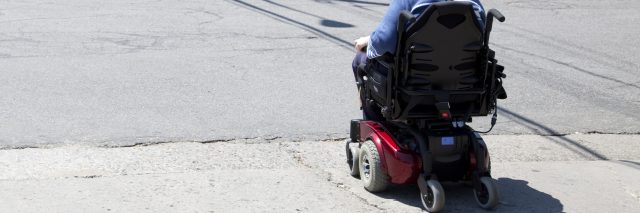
point(433, 200)
point(487, 197)
point(371, 168)
point(352, 158)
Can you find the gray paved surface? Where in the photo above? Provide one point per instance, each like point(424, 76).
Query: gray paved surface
point(124, 72)
point(83, 80)
point(534, 173)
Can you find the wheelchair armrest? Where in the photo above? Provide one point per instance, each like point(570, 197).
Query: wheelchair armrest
point(386, 64)
point(386, 60)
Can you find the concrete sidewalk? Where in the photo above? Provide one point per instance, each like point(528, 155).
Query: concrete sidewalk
point(574, 173)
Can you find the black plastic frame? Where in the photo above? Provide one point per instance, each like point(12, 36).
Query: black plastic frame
point(488, 63)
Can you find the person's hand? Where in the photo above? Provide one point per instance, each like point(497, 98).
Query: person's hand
point(361, 43)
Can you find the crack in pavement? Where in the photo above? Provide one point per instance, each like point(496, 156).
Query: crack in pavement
point(270, 139)
point(142, 144)
point(329, 137)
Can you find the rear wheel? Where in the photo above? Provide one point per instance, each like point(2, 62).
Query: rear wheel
point(352, 159)
point(433, 200)
point(371, 168)
point(487, 197)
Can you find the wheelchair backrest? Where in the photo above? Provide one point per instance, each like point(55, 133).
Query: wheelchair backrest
point(440, 65)
point(442, 48)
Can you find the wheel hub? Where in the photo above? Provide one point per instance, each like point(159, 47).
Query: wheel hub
point(366, 167)
point(483, 194)
point(429, 198)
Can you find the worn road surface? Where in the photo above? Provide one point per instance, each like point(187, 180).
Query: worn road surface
point(127, 72)
point(534, 173)
point(242, 105)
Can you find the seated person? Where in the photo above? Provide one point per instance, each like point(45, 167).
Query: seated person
point(382, 42)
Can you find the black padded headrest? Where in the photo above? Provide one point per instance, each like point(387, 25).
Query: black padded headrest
point(451, 15)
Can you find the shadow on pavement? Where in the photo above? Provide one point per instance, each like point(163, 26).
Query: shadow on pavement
point(323, 21)
point(334, 23)
point(515, 196)
point(284, 19)
point(365, 2)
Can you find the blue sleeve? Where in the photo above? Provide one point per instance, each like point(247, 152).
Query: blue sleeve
point(384, 38)
point(479, 9)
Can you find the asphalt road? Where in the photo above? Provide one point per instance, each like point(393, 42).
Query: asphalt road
point(126, 72)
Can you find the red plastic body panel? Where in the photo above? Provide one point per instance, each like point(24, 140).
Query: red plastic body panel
point(402, 166)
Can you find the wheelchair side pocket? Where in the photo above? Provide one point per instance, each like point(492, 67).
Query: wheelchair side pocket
point(377, 85)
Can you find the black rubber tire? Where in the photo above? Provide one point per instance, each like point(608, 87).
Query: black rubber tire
point(352, 161)
point(434, 201)
point(371, 168)
point(488, 198)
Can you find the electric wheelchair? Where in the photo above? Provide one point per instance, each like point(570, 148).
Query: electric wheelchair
point(442, 75)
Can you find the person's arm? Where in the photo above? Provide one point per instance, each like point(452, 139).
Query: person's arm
point(384, 38)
